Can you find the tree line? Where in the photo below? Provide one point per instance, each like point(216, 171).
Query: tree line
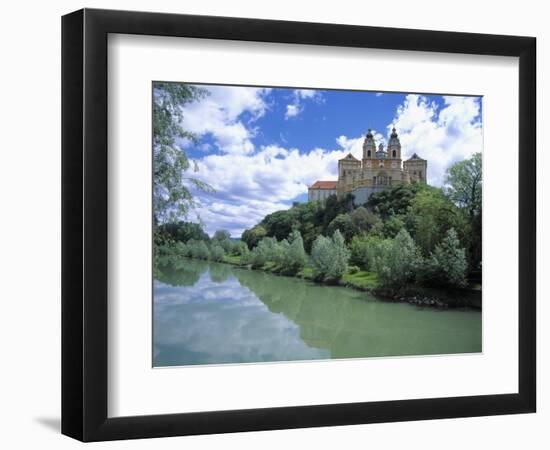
point(407, 235)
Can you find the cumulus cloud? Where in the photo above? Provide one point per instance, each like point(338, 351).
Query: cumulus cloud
point(355, 145)
point(248, 187)
point(298, 97)
point(222, 115)
point(442, 135)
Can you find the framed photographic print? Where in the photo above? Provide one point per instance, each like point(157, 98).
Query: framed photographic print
point(273, 224)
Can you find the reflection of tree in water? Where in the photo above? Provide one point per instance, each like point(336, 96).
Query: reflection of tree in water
point(220, 272)
point(179, 271)
point(353, 324)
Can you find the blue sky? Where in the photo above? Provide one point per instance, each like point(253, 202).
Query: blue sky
point(260, 148)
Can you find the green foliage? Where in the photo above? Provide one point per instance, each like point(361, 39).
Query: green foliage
point(345, 225)
point(464, 188)
point(171, 195)
point(266, 250)
point(239, 248)
point(364, 250)
point(253, 236)
point(217, 252)
point(393, 226)
point(364, 220)
point(394, 201)
point(431, 215)
point(447, 265)
point(181, 231)
point(330, 257)
point(398, 260)
point(198, 249)
point(295, 257)
point(321, 256)
point(310, 219)
point(221, 235)
point(464, 184)
point(247, 257)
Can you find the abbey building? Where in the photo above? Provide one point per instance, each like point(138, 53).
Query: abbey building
point(378, 169)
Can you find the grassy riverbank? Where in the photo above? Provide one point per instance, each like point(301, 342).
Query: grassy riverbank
point(356, 279)
point(366, 281)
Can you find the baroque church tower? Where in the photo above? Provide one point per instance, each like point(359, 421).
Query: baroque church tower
point(379, 169)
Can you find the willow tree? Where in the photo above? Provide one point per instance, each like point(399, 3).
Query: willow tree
point(172, 183)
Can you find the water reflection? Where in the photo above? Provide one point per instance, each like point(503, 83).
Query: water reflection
point(215, 313)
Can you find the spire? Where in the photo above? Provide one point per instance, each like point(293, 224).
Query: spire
point(393, 133)
point(369, 133)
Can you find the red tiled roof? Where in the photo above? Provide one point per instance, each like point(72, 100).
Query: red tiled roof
point(323, 185)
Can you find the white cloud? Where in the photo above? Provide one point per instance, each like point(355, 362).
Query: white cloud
point(355, 145)
point(442, 135)
point(297, 105)
point(221, 115)
point(292, 110)
point(379, 94)
point(248, 187)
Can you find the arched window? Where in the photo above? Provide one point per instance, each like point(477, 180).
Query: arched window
point(368, 153)
point(394, 153)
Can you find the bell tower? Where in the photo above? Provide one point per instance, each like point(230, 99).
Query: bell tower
point(394, 146)
point(369, 146)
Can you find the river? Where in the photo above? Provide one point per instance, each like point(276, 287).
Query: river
point(211, 313)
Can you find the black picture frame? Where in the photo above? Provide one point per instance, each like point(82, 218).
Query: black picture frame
point(84, 224)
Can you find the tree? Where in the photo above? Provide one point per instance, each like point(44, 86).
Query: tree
point(198, 249)
point(295, 256)
point(221, 235)
point(171, 194)
point(431, 215)
point(447, 264)
point(340, 256)
point(464, 184)
point(253, 236)
point(365, 250)
point(394, 201)
point(330, 257)
point(363, 219)
point(321, 256)
point(216, 252)
point(464, 188)
point(398, 260)
point(182, 231)
point(344, 223)
point(393, 226)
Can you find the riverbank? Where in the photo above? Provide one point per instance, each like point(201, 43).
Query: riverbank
point(368, 282)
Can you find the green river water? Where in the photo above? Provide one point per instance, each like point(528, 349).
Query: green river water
point(211, 313)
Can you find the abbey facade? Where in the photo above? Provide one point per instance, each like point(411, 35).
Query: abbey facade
point(378, 169)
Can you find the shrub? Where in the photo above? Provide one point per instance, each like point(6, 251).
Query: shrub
point(216, 252)
point(295, 256)
point(239, 248)
point(247, 257)
point(198, 249)
point(330, 257)
point(321, 256)
point(447, 264)
point(398, 260)
point(364, 251)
